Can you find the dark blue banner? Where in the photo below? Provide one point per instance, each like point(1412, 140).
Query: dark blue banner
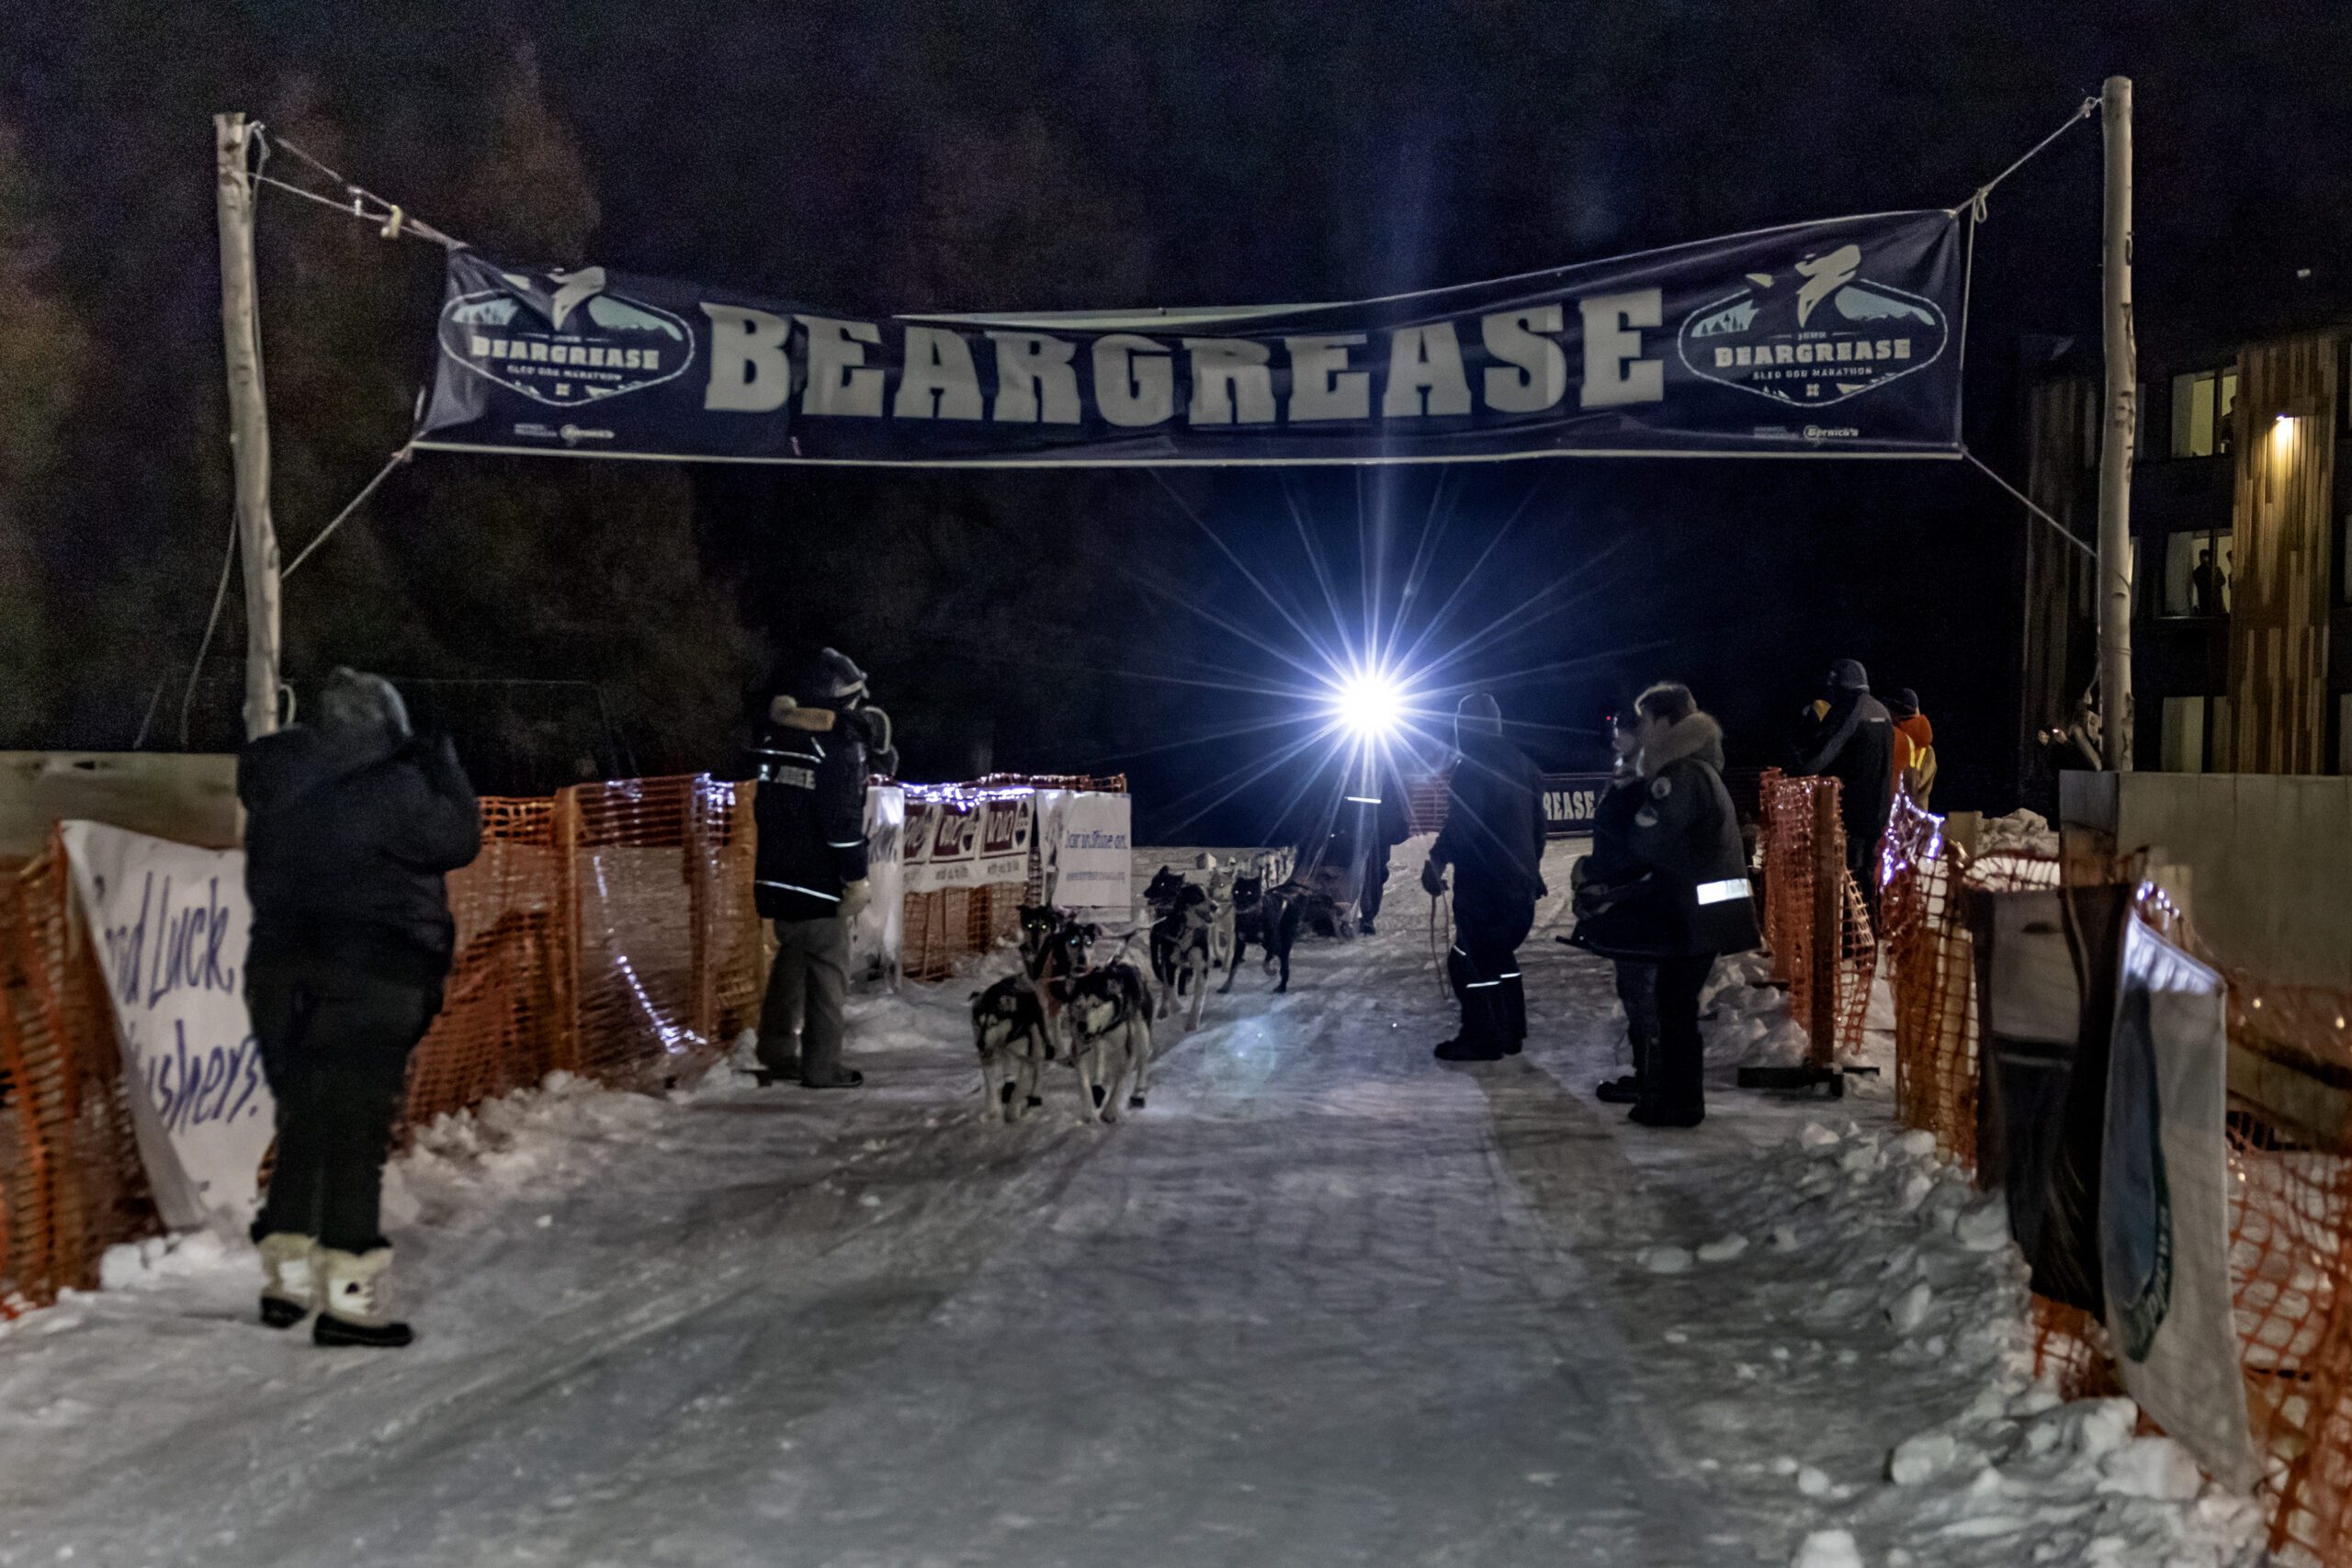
point(1571, 801)
point(1835, 338)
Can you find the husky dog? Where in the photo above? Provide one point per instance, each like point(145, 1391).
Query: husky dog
point(1182, 952)
point(1160, 894)
point(1010, 1031)
point(1053, 952)
point(1269, 917)
point(1110, 1037)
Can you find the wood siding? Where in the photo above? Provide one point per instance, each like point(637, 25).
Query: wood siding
point(2280, 592)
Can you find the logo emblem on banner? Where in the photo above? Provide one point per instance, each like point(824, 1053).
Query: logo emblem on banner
point(558, 339)
point(1814, 334)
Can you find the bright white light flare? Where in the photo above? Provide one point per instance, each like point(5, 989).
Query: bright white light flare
point(1369, 704)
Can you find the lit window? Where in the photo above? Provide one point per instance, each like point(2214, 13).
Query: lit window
point(2198, 569)
point(2203, 402)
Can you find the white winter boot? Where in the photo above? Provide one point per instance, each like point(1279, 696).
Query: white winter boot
point(289, 1286)
point(351, 1312)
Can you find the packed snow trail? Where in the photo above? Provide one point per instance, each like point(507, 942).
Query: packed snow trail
point(1326, 1300)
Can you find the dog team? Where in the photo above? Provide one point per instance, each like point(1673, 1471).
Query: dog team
point(1061, 1007)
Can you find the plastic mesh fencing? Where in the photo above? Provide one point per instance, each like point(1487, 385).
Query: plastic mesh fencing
point(70, 1184)
point(608, 930)
point(1816, 922)
point(2290, 1179)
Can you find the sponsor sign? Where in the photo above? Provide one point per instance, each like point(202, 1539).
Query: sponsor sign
point(2164, 1204)
point(1570, 801)
point(971, 842)
point(1086, 853)
point(168, 922)
point(1834, 336)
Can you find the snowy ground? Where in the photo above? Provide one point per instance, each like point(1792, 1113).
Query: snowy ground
point(1324, 1302)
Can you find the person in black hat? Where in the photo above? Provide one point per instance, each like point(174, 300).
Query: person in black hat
point(1856, 746)
point(1493, 839)
point(808, 752)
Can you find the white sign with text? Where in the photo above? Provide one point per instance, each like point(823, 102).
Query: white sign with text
point(168, 922)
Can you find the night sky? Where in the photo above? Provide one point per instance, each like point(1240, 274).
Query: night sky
point(1052, 155)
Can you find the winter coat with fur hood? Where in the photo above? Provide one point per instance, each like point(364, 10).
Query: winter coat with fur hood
point(810, 763)
point(1687, 835)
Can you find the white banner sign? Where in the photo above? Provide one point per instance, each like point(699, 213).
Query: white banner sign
point(1089, 861)
point(2164, 1209)
point(169, 922)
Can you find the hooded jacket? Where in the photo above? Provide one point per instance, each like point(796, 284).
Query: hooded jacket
point(1494, 828)
point(811, 810)
point(1687, 834)
point(351, 826)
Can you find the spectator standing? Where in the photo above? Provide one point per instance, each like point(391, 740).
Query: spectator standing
point(352, 823)
point(1856, 746)
point(1685, 835)
point(1915, 747)
point(807, 751)
point(1621, 911)
point(1493, 839)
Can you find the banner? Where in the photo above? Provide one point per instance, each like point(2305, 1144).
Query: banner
point(1085, 853)
point(2164, 1206)
point(168, 922)
point(1836, 337)
point(876, 936)
point(968, 842)
point(1570, 802)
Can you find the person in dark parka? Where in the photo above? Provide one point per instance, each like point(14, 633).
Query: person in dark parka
point(352, 823)
point(1493, 837)
point(1856, 746)
point(1621, 908)
point(1687, 835)
point(808, 752)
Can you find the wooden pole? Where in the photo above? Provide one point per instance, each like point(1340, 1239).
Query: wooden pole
point(1828, 916)
point(248, 419)
point(2115, 451)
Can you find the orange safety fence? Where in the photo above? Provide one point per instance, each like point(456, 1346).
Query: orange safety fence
point(2289, 1126)
point(1802, 843)
point(608, 930)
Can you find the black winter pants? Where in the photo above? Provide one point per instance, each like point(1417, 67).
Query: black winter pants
point(1637, 989)
point(334, 1046)
point(1375, 882)
point(1678, 1079)
point(1483, 967)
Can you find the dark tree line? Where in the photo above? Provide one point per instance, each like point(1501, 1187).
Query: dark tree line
point(1042, 154)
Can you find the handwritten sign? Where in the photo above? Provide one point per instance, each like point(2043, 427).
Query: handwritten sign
point(169, 923)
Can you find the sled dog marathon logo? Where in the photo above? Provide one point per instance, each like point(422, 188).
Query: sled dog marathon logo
point(558, 339)
point(1815, 336)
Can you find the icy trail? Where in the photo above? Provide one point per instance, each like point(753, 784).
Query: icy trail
point(1324, 1302)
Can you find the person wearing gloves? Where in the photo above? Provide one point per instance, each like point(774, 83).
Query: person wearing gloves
point(352, 822)
point(1686, 836)
point(808, 753)
point(1493, 837)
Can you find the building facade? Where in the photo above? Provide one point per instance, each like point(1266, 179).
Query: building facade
point(2242, 557)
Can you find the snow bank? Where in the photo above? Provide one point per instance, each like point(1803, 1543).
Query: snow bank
point(1881, 1247)
point(2027, 833)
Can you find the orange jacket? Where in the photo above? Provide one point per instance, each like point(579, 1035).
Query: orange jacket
point(1914, 734)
